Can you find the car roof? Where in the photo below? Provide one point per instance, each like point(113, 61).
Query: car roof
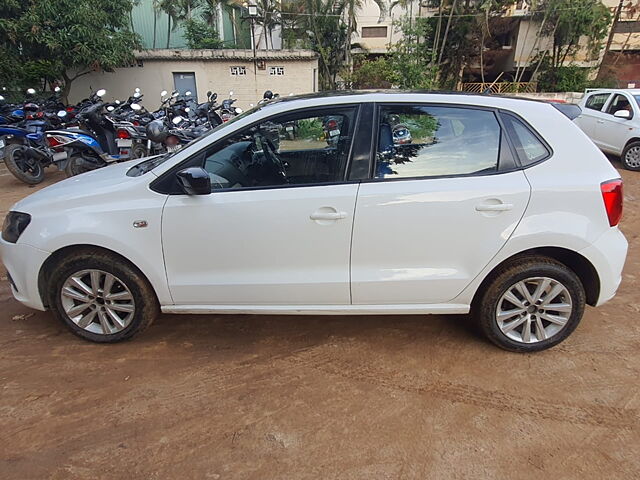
point(632, 91)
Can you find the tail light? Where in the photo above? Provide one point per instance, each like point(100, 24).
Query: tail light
point(69, 109)
point(331, 124)
point(612, 197)
point(136, 123)
point(53, 141)
point(123, 133)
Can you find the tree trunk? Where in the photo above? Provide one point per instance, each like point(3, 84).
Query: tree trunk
point(168, 30)
point(446, 31)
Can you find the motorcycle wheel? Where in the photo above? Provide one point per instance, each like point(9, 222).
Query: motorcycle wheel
point(76, 166)
point(138, 151)
point(25, 169)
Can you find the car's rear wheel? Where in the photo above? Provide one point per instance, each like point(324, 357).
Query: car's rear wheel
point(631, 156)
point(101, 298)
point(531, 304)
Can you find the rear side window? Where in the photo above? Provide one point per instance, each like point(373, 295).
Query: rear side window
point(432, 141)
point(597, 101)
point(529, 147)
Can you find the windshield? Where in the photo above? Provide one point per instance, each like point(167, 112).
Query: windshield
point(151, 163)
point(637, 97)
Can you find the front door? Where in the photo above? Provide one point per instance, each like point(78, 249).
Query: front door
point(438, 209)
point(612, 132)
point(277, 228)
point(592, 114)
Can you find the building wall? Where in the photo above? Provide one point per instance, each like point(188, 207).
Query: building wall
point(157, 75)
point(369, 15)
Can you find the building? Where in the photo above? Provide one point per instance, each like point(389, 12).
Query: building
point(199, 71)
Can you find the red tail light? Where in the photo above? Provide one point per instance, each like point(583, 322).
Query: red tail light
point(123, 133)
point(612, 196)
point(331, 124)
point(69, 109)
point(53, 142)
point(136, 123)
point(172, 140)
point(40, 114)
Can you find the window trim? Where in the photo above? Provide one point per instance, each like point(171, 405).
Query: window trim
point(496, 111)
point(329, 108)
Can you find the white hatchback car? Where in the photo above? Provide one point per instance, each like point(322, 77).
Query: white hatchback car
point(611, 118)
point(307, 206)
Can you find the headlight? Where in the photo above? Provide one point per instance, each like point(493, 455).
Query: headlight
point(14, 225)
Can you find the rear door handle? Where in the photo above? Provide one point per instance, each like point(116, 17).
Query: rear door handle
point(599, 121)
point(328, 215)
point(500, 207)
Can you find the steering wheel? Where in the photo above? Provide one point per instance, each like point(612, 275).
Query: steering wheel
point(269, 150)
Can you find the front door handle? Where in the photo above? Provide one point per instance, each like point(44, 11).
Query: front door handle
point(500, 207)
point(599, 121)
point(328, 215)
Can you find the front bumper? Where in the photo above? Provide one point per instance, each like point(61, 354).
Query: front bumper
point(607, 255)
point(23, 264)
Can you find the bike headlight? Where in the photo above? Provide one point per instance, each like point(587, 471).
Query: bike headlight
point(14, 225)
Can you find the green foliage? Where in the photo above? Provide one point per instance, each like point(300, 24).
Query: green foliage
point(411, 57)
point(309, 129)
point(201, 35)
point(378, 73)
point(422, 127)
point(63, 39)
point(570, 78)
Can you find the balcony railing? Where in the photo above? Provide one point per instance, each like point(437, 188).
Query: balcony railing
point(500, 87)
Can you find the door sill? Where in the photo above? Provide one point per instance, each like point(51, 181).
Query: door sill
point(443, 308)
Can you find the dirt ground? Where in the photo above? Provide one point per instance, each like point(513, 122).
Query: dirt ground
point(284, 397)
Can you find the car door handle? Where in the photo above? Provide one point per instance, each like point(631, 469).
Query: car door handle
point(599, 121)
point(500, 207)
point(328, 215)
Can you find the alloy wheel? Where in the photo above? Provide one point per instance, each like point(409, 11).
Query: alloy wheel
point(97, 301)
point(534, 310)
point(632, 157)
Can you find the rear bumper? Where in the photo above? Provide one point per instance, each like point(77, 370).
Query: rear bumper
point(608, 255)
point(23, 263)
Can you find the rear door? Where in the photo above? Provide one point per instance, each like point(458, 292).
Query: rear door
point(592, 114)
point(440, 204)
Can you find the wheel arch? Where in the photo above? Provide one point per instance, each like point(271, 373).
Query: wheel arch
point(580, 265)
point(49, 264)
point(630, 141)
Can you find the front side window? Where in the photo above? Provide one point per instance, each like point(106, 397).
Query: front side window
point(619, 102)
point(431, 141)
point(597, 101)
point(293, 149)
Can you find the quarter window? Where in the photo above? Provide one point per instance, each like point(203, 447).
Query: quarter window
point(530, 149)
point(597, 101)
point(425, 141)
point(294, 149)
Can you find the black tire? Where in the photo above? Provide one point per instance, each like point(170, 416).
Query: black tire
point(76, 165)
point(631, 157)
point(29, 171)
point(138, 151)
point(145, 301)
point(507, 276)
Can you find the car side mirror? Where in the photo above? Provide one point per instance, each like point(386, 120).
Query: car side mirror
point(195, 181)
point(626, 114)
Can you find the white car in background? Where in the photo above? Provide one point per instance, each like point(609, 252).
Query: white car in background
point(611, 118)
point(496, 206)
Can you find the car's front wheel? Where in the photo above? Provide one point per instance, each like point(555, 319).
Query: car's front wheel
point(631, 156)
point(101, 298)
point(531, 304)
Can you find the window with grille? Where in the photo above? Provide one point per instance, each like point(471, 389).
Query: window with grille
point(279, 71)
point(237, 70)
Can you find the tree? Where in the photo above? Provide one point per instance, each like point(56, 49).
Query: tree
point(64, 39)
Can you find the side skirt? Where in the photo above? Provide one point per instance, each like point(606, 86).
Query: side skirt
point(320, 309)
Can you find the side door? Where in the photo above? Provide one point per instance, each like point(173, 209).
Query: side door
point(272, 232)
point(592, 113)
point(613, 132)
point(438, 207)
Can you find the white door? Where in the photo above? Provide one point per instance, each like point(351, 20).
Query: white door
point(268, 234)
point(592, 114)
point(439, 211)
point(612, 132)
